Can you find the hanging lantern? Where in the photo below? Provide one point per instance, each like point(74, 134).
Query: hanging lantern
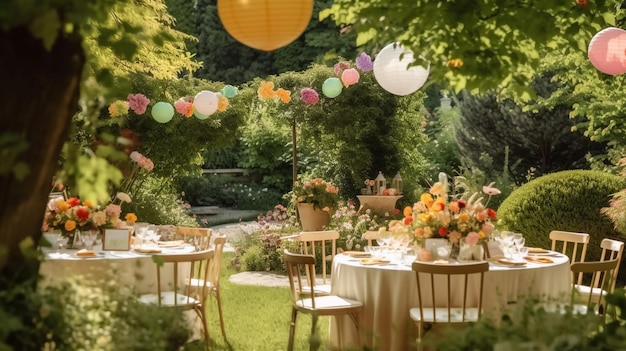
point(392, 71)
point(606, 51)
point(265, 25)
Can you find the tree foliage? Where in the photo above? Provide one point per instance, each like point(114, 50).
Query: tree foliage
point(538, 142)
point(500, 43)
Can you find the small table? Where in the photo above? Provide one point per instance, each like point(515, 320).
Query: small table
point(378, 203)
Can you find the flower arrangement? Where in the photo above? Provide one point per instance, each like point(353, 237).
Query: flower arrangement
point(68, 215)
point(322, 194)
point(456, 217)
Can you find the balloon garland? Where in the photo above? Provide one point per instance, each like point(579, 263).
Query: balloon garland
point(205, 103)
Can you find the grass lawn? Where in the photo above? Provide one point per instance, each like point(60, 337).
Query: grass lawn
point(257, 318)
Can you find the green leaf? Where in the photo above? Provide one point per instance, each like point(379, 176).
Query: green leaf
point(46, 27)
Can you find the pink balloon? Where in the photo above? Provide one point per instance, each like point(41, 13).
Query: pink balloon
point(350, 76)
point(205, 102)
point(607, 51)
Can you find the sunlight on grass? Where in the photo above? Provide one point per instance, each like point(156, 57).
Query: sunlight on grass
point(257, 317)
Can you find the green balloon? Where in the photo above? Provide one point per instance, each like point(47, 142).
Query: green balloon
point(199, 115)
point(332, 87)
point(229, 91)
point(162, 112)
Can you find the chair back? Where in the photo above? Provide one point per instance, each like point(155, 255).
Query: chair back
point(598, 272)
point(183, 267)
point(216, 265)
point(612, 250)
point(370, 235)
point(571, 244)
point(429, 292)
point(324, 242)
point(299, 268)
point(199, 237)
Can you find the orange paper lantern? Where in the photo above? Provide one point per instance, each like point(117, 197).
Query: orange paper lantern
point(265, 24)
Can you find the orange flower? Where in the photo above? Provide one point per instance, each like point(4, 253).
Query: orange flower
point(463, 217)
point(407, 220)
point(407, 211)
point(266, 90)
point(70, 225)
point(130, 218)
point(222, 103)
point(284, 95)
point(73, 201)
point(62, 205)
point(427, 199)
point(439, 205)
point(454, 206)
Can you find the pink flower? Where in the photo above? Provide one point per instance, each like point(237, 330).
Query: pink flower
point(183, 107)
point(364, 62)
point(135, 156)
point(113, 210)
point(491, 191)
point(472, 238)
point(138, 103)
point(309, 96)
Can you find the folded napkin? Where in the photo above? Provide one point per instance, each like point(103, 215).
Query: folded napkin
point(537, 250)
point(538, 259)
point(368, 261)
point(148, 250)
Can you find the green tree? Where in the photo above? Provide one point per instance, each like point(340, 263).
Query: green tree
point(539, 140)
point(45, 48)
point(500, 43)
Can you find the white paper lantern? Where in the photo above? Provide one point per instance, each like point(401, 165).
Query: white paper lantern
point(205, 102)
point(607, 51)
point(394, 74)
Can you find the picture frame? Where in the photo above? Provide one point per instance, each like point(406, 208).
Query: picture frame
point(116, 240)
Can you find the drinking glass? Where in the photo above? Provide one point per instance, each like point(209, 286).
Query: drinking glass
point(61, 243)
point(384, 239)
point(89, 236)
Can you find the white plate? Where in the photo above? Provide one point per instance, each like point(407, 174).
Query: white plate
point(553, 254)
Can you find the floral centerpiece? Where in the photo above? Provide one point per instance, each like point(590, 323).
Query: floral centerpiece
point(460, 218)
point(72, 216)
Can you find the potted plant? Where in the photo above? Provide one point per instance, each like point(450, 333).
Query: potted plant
point(314, 199)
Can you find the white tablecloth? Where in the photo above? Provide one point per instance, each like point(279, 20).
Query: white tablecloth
point(388, 292)
point(133, 269)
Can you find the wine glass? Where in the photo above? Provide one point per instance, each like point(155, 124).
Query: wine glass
point(89, 236)
point(384, 239)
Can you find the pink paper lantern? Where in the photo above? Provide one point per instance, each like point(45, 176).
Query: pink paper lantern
point(349, 77)
point(607, 51)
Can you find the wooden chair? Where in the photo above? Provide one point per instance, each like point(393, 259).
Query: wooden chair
point(431, 312)
point(213, 283)
point(600, 273)
point(313, 243)
point(300, 266)
point(369, 236)
point(199, 237)
point(611, 250)
point(576, 252)
point(179, 294)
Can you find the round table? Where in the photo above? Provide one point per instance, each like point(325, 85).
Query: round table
point(389, 291)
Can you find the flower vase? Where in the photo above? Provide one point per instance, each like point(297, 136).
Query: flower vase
point(312, 219)
point(471, 252)
point(439, 248)
point(74, 240)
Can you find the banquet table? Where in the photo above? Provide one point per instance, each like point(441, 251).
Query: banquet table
point(389, 291)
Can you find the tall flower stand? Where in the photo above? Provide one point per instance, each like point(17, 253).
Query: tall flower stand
point(312, 219)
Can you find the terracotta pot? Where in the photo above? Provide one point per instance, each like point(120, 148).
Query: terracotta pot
point(312, 219)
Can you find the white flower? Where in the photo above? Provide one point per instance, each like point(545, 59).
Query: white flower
point(123, 197)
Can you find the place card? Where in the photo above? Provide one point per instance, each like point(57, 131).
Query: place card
point(116, 240)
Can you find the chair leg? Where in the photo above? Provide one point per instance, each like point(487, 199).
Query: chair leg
point(292, 328)
point(219, 309)
point(314, 319)
point(355, 319)
point(200, 310)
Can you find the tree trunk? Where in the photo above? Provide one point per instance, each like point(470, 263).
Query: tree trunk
point(39, 95)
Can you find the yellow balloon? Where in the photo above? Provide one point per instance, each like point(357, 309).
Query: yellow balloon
point(265, 24)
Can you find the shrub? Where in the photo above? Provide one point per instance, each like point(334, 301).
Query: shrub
point(231, 192)
point(568, 200)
